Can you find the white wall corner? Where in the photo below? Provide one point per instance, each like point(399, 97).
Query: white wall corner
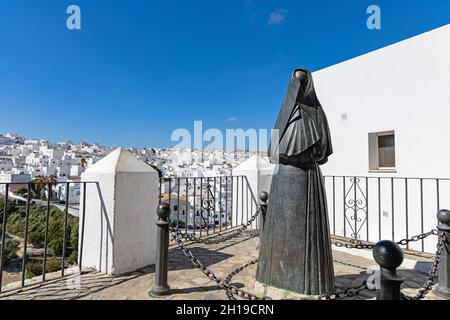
point(258, 177)
point(120, 218)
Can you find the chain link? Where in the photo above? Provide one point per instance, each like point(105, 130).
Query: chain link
point(341, 294)
point(176, 236)
point(228, 279)
point(348, 292)
point(428, 286)
point(231, 291)
point(419, 237)
point(226, 237)
point(352, 246)
point(345, 293)
point(403, 242)
point(432, 275)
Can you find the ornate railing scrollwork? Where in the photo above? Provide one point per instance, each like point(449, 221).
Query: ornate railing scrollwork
point(355, 208)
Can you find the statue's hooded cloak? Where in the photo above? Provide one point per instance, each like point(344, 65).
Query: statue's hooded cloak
point(295, 252)
point(301, 124)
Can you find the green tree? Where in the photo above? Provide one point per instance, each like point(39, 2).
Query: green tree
point(36, 238)
point(11, 248)
point(56, 246)
point(22, 192)
point(36, 228)
point(34, 267)
point(10, 208)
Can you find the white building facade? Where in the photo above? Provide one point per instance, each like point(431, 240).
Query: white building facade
point(388, 113)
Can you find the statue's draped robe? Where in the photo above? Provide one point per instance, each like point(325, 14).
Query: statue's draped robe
point(295, 249)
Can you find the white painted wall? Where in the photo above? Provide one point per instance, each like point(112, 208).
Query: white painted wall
point(246, 191)
point(404, 87)
point(120, 223)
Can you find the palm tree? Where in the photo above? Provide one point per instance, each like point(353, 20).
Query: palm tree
point(83, 162)
point(40, 183)
point(52, 179)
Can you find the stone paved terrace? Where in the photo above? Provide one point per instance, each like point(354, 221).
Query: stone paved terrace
point(189, 283)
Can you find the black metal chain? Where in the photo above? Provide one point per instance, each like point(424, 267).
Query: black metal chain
point(419, 237)
point(231, 290)
point(228, 279)
point(226, 237)
point(340, 294)
point(428, 286)
point(177, 236)
point(348, 292)
point(432, 275)
point(352, 246)
point(345, 293)
point(403, 242)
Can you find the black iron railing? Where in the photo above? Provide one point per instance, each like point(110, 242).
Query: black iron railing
point(361, 208)
point(387, 254)
point(202, 206)
point(19, 200)
point(385, 208)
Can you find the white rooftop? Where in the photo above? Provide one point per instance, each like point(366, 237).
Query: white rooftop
point(253, 163)
point(120, 160)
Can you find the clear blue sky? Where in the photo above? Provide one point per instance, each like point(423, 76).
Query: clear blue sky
point(139, 69)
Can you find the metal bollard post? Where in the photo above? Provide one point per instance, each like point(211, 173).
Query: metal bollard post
point(443, 288)
point(389, 256)
point(264, 196)
point(161, 287)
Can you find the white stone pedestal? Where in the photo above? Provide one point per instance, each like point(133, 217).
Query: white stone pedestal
point(120, 218)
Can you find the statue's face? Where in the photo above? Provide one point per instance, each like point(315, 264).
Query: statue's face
point(302, 77)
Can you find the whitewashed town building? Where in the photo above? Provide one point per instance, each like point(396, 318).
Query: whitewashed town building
point(389, 113)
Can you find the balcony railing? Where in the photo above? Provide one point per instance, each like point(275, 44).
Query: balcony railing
point(385, 208)
point(44, 226)
point(204, 206)
point(360, 208)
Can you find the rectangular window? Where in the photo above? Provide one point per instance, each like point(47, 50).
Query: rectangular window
point(386, 151)
point(382, 151)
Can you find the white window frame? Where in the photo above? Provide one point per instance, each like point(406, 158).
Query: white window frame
point(374, 156)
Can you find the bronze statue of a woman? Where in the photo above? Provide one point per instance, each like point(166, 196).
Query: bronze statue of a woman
point(295, 252)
